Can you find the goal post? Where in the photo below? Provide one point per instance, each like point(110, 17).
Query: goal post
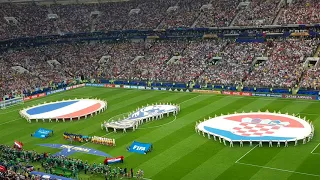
point(11, 102)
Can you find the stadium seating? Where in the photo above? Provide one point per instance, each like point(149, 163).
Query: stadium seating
point(258, 12)
point(29, 19)
point(217, 14)
point(222, 62)
point(285, 64)
point(301, 12)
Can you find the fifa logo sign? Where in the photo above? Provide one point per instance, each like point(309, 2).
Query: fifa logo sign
point(139, 148)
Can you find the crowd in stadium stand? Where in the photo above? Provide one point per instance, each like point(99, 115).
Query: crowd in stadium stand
point(311, 78)
point(74, 18)
point(285, 64)
point(301, 12)
point(235, 63)
point(183, 15)
point(222, 62)
point(68, 61)
point(258, 12)
point(170, 60)
point(218, 15)
point(150, 15)
point(113, 15)
point(33, 20)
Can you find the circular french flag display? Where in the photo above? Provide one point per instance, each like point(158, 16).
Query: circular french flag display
point(66, 109)
point(257, 127)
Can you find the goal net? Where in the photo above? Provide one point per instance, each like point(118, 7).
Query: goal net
point(11, 102)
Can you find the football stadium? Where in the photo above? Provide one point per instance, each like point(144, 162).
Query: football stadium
point(159, 89)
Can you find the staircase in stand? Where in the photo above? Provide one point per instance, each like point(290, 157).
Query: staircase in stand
point(316, 54)
point(279, 10)
point(235, 18)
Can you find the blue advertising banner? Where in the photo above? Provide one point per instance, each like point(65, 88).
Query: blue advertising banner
point(55, 91)
point(141, 87)
point(94, 85)
point(267, 95)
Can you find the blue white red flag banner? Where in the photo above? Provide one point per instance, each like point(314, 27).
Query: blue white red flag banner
point(64, 109)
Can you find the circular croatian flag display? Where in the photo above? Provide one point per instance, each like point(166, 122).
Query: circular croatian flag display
point(64, 109)
point(257, 127)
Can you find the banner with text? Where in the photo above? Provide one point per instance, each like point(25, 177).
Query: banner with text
point(206, 91)
point(267, 95)
point(34, 96)
point(232, 93)
point(291, 96)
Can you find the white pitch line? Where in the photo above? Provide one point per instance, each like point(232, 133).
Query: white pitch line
point(10, 121)
point(315, 153)
point(175, 117)
point(190, 99)
point(143, 178)
point(246, 153)
point(277, 169)
point(315, 148)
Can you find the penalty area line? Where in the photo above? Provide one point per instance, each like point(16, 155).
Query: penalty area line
point(246, 153)
point(315, 149)
point(277, 169)
point(190, 99)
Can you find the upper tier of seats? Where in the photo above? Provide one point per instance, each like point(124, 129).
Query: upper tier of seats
point(29, 19)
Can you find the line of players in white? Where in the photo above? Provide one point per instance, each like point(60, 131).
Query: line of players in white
point(221, 139)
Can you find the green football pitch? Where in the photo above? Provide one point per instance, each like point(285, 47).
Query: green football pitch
point(179, 152)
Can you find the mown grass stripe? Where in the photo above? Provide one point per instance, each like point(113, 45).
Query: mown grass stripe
point(225, 158)
point(8, 132)
point(254, 157)
point(187, 162)
point(153, 135)
point(239, 103)
point(194, 115)
point(214, 163)
point(73, 126)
